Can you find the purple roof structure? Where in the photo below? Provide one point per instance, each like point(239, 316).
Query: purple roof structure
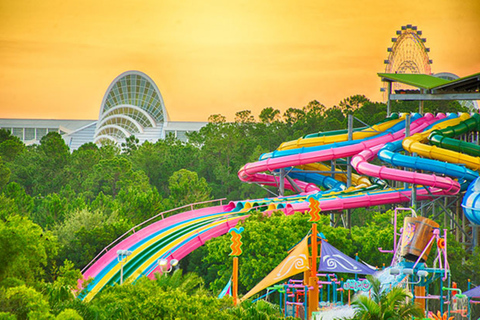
point(333, 260)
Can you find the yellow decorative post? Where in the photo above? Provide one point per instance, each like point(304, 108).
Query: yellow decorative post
point(236, 251)
point(312, 280)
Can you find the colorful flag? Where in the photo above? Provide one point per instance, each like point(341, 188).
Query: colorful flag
point(227, 290)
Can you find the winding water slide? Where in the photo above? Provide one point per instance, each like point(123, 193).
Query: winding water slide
point(178, 235)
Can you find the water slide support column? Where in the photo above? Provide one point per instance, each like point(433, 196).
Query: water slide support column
point(389, 92)
point(281, 190)
point(332, 168)
point(420, 104)
point(414, 188)
point(457, 218)
point(349, 169)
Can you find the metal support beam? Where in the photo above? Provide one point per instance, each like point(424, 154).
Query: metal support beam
point(420, 106)
point(295, 186)
point(445, 210)
point(435, 97)
point(389, 98)
point(332, 167)
point(349, 170)
point(281, 189)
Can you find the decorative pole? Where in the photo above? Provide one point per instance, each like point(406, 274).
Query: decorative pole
point(236, 251)
point(313, 296)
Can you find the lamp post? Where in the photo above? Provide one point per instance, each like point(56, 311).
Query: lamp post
point(122, 255)
point(166, 266)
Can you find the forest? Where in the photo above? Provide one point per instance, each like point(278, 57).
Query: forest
point(59, 209)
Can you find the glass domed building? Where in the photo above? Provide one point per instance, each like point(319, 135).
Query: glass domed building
point(132, 105)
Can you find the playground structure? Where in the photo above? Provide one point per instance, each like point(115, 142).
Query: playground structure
point(408, 270)
point(320, 287)
point(440, 155)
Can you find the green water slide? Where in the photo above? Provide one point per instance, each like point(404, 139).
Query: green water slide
point(444, 138)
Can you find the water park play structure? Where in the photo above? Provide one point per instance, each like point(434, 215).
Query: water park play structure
point(324, 288)
point(431, 160)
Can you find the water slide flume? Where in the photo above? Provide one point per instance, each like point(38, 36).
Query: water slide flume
point(252, 172)
point(312, 141)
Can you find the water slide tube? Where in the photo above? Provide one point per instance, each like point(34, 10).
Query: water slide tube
point(393, 116)
point(470, 160)
point(471, 202)
point(327, 139)
point(357, 180)
point(397, 126)
point(367, 199)
point(145, 244)
point(443, 138)
point(415, 144)
point(361, 163)
point(389, 153)
point(250, 171)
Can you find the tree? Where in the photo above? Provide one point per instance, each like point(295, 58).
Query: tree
point(10, 145)
point(41, 168)
point(258, 310)
point(4, 174)
point(371, 112)
point(25, 303)
point(186, 187)
point(55, 150)
point(53, 208)
point(381, 305)
point(130, 145)
point(351, 104)
point(137, 206)
point(161, 159)
point(269, 115)
point(85, 233)
point(69, 314)
point(61, 292)
point(25, 249)
point(177, 298)
point(23, 203)
point(244, 116)
point(111, 175)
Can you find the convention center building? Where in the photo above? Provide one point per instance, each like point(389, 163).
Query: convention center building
point(132, 105)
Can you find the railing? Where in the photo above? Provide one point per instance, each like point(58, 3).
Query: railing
point(105, 250)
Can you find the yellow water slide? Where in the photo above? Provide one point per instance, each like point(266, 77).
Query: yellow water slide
point(417, 144)
point(363, 134)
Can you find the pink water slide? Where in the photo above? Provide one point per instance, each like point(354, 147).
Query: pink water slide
point(252, 172)
point(111, 254)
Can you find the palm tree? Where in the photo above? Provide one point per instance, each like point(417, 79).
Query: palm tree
point(382, 305)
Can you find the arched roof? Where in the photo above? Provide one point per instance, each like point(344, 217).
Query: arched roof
point(135, 99)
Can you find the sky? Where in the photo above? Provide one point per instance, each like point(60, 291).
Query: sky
point(57, 57)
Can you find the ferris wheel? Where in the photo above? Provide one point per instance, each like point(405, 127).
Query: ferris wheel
point(408, 54)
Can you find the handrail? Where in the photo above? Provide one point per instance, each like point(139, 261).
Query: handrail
point(105, 250)
point(226, 217)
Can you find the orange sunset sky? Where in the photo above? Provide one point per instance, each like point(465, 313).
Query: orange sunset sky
point(57, 57)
